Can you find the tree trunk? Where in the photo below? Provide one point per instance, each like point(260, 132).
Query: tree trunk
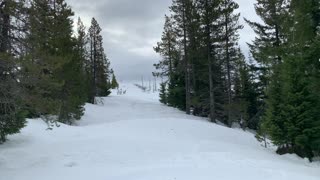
point(4, 27)
point(186, 64)
point(210, 67)
point(94, 67)
point(228, 72)
point(212, 94)
point(170, 57)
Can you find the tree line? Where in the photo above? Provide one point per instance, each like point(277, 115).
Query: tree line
point(47, 70)
point(275, 91)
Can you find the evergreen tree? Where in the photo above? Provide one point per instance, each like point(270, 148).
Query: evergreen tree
point(176, 91)
point(287, 47)
point(182, 12)
point(114, 82)
point(275, 94)
point(267, 51)
point(163, 93)
point(12, 117)
point(166, 48)
point(209, 16)
point(44, 69)
point(194, 33)
point(42, 64)
point(83, 55)
point(297, 114)
point(265, 48)
point(170, 67)
point(98, 63)
point(73, 94)
point(55, 85)
point(245, 100)
point(230, 39)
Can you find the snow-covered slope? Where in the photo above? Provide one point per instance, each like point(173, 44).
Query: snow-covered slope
point(134, 137)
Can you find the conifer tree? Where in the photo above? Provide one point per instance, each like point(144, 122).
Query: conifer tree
point(197, 36)
point(267, 51)
point(55, 85)
point(230, 38)
point(166, 49)
point(114, 82)
point(245, 100)
point(73, 94)
point(170, 67)
point(286, 47)
point(209, 16)
point(44, 69)
point(297, 112)
point(99, 69)
point(267, 48)
point(12, 117)
point(82, 44)
point(182, 10)
point(41, 66)
point(163, 94)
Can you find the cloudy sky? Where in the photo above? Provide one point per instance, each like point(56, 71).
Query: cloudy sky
point(132, 27)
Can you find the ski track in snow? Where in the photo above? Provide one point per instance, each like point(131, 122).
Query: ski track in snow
point(134, 137)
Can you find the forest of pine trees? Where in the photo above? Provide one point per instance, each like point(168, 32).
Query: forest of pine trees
point(46, 70)
point(275, 92)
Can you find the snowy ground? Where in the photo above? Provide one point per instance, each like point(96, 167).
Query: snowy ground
point(134, 137)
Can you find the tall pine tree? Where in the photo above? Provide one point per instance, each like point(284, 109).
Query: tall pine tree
point(99, 65)
point(12, 118)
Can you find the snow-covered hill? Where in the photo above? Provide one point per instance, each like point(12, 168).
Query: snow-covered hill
point(134, 137)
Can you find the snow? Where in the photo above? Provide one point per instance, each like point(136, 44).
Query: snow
point(134, 137)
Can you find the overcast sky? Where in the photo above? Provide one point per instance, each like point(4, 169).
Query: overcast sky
point(132, 27)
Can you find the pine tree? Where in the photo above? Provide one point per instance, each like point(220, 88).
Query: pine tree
point(267, 48)
point(83, 55)
point(114, 82)
point(230, 38)
point(196, 40)
point(12, 117)
point(98, 63)
point(313, 57)
point(176, 91)
point(299, 105)
point(166, 49)
point(54, 69)
point(267, 51)
point(73, 92)
point(209, 16)
point(42, 63)
point(291, 118)
point(170, 67)
point(182, 10)
point(163, 93)
point(245, 100)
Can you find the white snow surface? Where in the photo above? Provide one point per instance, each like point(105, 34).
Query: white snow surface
point(134, 137)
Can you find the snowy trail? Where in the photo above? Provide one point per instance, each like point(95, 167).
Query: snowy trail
point(134, 137)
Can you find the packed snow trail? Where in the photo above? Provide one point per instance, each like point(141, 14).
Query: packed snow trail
point(134, 137)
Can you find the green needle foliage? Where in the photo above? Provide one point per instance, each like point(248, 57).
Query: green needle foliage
point(45, 68)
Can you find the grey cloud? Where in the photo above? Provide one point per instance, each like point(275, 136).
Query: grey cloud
point(139, 11)
point(132, 27)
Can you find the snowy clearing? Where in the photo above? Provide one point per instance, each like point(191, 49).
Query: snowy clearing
point(134, 137)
